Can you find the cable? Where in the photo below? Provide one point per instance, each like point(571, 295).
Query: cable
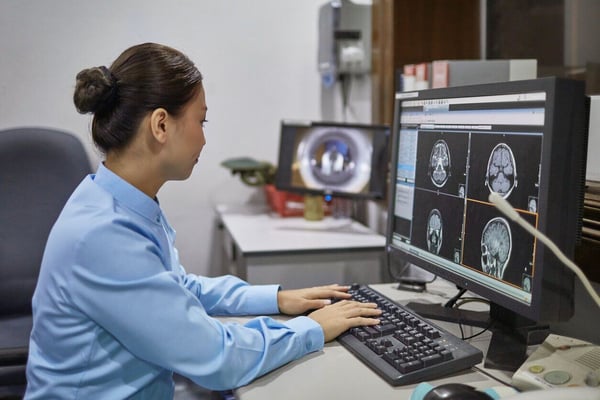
point(462, 333)
point(345, 80)
point(511, 213)
point(454, 303)
point(475, 334)
point(450, 303)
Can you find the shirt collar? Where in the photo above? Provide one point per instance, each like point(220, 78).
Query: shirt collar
point(126, 194)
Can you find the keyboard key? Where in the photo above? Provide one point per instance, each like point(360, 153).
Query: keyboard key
point(385, 329)
point(390, 357)
point(431, 360)
point(409, 366)
point(446, 355)
point(371, 331)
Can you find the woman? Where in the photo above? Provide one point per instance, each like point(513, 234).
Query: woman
point(115, 314)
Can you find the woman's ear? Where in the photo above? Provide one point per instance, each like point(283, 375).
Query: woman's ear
point(159, 120)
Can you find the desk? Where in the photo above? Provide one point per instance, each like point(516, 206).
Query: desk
point(335, 373)
point(263, 248)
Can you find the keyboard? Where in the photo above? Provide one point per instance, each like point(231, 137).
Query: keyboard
point(405, 348)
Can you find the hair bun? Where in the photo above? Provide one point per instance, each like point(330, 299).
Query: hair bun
point(95, 90)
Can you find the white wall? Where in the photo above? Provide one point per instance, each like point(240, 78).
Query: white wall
point(258, 59)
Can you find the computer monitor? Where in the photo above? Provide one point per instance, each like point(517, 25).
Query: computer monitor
point(525, 140)
point(334, 159)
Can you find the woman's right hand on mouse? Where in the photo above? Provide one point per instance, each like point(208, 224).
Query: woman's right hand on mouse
point(343, 315)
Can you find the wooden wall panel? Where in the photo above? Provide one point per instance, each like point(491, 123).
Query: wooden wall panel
point(407, 32)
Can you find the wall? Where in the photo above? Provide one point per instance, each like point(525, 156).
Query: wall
point(259, 60)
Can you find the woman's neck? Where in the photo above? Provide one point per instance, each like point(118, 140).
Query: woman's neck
point(135, 170)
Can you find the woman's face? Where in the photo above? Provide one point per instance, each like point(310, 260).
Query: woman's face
point(188, 139)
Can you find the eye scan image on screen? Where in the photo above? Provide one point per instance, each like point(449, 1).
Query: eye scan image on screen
point(333, 158)
point(336, 158)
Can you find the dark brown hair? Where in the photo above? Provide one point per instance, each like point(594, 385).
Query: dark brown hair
point(143, 78)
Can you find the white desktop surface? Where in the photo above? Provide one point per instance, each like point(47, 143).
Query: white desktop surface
point(335, 373)
point(259, 232)
point(264, 248)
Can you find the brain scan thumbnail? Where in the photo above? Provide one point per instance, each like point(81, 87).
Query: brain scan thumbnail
point(527, 283)
point(439, 163)
point(501, 174)
point(335, 158)
point(434, 231)
point(496, 245)
point(532, 204)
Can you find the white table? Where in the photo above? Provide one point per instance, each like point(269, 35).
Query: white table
point(263, 248)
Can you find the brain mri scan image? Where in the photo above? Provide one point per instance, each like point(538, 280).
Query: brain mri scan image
point(496, 245)
point(501, 174)
point(434, 231)
point(527, 283)
point(334, 158)
point(532, 204)
point(439, 163)
point(457, 256)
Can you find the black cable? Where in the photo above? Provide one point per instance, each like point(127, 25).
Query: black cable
point(464, 301)
point(450, 303)
point(479, 333)
point(462, 334)
point(345, 85)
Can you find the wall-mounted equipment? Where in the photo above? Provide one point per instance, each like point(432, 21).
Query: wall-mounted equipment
point(344, 40)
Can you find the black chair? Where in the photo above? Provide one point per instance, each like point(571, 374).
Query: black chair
point(39, 169)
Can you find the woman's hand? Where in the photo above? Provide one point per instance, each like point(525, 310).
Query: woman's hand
point(294, 302)
point(341, 316)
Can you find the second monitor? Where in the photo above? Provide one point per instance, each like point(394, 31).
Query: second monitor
point(336, 159)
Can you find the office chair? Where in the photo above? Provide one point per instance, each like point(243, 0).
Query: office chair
point(39, 169)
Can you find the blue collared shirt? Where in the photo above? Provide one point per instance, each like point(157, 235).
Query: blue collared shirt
point(115, 313)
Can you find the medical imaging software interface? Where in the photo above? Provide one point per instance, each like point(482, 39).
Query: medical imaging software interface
point(452, 153)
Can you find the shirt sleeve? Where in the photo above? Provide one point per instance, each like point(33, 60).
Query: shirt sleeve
point(159, 316)
point(229, 295)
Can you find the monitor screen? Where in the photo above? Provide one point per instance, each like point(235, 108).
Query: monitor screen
point(337, 159)
point(525, 140)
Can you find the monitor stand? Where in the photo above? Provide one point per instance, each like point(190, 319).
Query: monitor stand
point(511, 333)
point(411, 285)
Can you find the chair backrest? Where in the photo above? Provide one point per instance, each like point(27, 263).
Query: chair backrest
point(39, 169)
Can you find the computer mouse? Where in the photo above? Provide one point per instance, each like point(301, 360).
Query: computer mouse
point(455, 391)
